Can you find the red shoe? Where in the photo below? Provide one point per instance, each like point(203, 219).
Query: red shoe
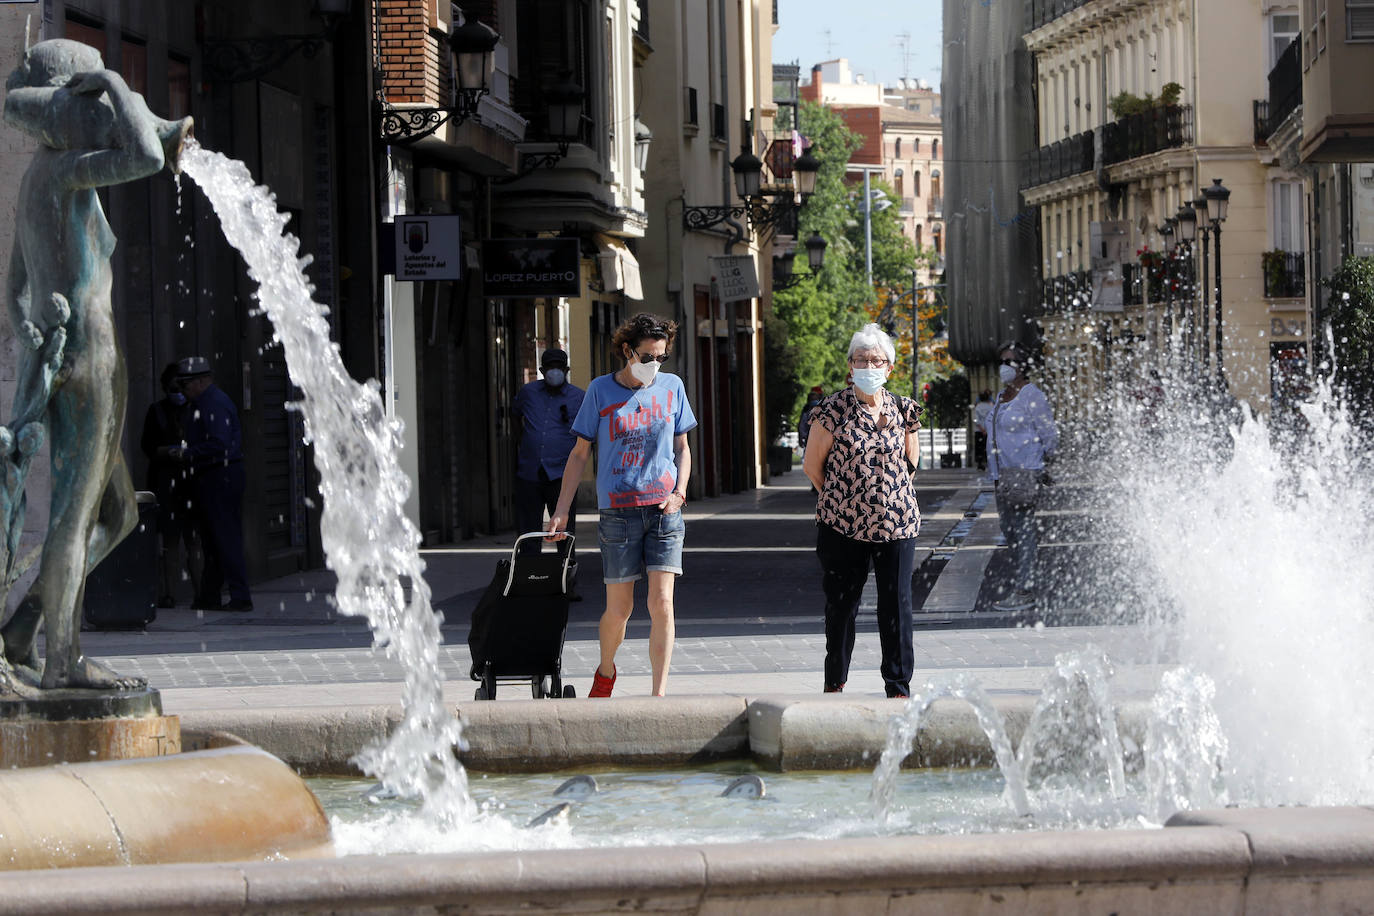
point(839, 689)
point(602, 685)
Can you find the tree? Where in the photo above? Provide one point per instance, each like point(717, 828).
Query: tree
point(781, 387)
point(948, 407)
point(1352, 328)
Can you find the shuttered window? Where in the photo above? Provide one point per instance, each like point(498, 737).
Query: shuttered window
point(1359, 20)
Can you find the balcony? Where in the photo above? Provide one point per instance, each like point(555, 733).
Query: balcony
point(1066, 292)
point(1160, 128)
point(1285, 94)
point(1042, 12)
point(935, 206)
point(1060, 159)
point(1284, 277)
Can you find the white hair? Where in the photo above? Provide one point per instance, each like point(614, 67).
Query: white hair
point(872, 337)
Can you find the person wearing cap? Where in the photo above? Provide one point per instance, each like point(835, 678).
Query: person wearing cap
point(214, 452)
point(544, 410)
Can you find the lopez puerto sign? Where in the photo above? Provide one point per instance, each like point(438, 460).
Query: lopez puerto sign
point(522, 268)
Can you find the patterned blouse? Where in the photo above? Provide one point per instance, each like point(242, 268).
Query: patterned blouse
point(868, 493)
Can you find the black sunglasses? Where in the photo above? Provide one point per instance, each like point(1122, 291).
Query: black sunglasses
point(650, 358)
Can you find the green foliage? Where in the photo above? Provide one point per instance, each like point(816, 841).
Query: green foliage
point(1169, 93)
point(948, 405)
point(1351, 307)
point(781, 360)
point(1125, 103)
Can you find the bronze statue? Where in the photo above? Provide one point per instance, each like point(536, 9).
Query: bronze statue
point(72, 384)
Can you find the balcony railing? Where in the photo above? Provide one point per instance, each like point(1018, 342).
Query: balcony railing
point(1060, 159)
point(1066, 292)
point(935, 206)
point(1284, 277)
point(1040, 12)
point(1162, 127)
point(1285, 93)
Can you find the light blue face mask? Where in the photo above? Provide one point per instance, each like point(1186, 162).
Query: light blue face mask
point(868, 380)
point(555, 377)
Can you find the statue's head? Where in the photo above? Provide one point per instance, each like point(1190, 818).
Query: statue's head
point(39, 103)
point(52, 63)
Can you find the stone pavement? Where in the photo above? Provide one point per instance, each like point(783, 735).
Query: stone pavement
point(748, 617)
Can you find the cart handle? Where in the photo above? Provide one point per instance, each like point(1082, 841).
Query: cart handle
point(510, 579)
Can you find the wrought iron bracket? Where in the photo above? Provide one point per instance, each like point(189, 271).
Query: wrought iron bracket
point(783, 285)
point(401, 126)
point(236, 60)
point(533, 162)
point(701, 219)
point(763, 216)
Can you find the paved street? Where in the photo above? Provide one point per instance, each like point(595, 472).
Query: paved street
point(748, 612)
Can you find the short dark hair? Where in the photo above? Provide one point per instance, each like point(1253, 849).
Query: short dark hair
point(644, 326)
point(168, 377)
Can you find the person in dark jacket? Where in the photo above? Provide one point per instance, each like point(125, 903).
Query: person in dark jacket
point(164, 430)
point(214, 452)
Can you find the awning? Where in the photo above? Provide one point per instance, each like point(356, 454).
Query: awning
point(619, 269)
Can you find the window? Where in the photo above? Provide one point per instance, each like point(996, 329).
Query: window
point(916, 147)
point(88, 33)
point(897, 149)
point(935, 238)
point(1286, 216)
point(935, 149)
point(916, 184)
point(1283, 28)
point(897, 179)
point(1359, 20)
point(178, 88)
point(918, 236)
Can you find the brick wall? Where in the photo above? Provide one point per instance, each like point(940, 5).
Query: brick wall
point(413, 71)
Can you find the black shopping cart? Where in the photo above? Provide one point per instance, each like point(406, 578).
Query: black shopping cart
point(520, 622)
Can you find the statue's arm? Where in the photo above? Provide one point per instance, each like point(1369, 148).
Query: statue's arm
point(17, 301)
point(139, 153)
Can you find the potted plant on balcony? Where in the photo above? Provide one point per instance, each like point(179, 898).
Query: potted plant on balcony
point(1274, 264)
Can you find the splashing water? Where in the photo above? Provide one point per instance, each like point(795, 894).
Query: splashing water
point(1072, 731)
point(902, 731)
point(369, 543)
point(1185, 750)
point(1252, 531)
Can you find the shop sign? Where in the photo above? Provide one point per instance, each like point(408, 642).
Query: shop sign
point(735, 277)
point(428, 247)
point(524, 268)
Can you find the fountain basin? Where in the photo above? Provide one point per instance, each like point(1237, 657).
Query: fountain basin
point(219, 805)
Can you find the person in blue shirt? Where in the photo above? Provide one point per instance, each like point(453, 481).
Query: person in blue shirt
point(639, 419)
point(214, 451)
point(544, 410)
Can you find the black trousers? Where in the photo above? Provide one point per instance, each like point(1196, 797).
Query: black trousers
point(844, 566)
point(532, 498)
point(219, 514)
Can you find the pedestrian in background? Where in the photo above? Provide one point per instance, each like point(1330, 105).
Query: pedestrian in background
point(214, 454)
point(980, 429)
point(544, 410)
point(639, 419)
point(164, 431)
point(863, 446)
point(1021, 435)
point(813, 399)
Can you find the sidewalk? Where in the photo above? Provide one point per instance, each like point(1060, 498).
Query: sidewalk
point(748, 618)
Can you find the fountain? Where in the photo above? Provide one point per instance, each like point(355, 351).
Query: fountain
point(1215, 733)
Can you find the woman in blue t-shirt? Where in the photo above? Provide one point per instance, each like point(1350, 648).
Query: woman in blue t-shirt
point(639, 418)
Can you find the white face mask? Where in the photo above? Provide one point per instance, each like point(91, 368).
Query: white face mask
point(555, 377)
point(1006, 373)
point(868, 380)
point(644, 372)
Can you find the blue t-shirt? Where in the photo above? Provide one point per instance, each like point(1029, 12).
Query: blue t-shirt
point(633, 429)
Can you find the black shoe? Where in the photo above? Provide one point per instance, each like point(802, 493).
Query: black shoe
point(238, 604)
point(166, 601)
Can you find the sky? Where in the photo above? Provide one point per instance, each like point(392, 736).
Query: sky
point(871, 33)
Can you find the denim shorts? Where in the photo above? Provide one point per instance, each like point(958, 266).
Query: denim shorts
point(637, 539)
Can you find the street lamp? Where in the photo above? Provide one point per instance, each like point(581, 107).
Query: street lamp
point(748, 170)
point(815, 251)
point(805, 169)
point(470, 48)
point(563, 101)
point(1218, 198)
point(643, 137)
point(1186, 220)
point(1205, 297)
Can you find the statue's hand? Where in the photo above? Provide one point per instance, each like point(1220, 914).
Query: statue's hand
point(59, 311)
point(93, 82)
point(30, 336)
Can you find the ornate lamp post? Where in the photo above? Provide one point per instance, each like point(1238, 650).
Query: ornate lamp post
point(1166, 234)
point(1218, 198)
point(1205, 294)
point(470, 48)
point(1186, 222)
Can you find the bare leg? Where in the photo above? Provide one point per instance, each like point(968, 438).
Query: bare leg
point(620, 602)
point(662, 629)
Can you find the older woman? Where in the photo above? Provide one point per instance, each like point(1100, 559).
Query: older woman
point(639, 419)
point(1021, 435)
point(860, 452)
